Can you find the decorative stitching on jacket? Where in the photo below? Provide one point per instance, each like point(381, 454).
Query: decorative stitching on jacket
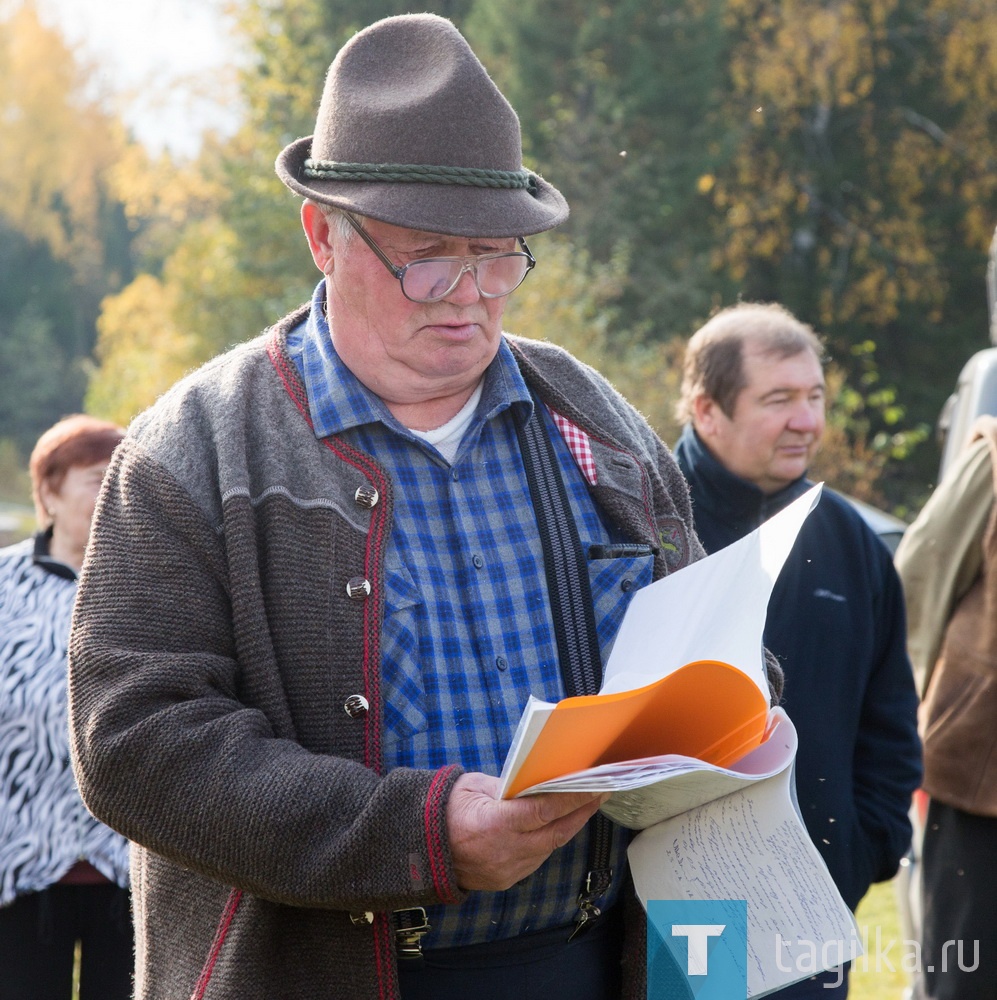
point(384, 946)
point(255, 501)
point(375, 542)
point(221, 932)
point(437, 865)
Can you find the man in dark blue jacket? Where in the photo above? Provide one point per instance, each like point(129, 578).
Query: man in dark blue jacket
point(753, 404)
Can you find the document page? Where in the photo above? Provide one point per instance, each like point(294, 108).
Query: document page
point(686, 675)
point(713, 609)
point(752, 845)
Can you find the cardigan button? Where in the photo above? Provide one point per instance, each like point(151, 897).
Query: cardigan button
point(364, 919)
point(356, 706)
point(358, 588)
point(367, 496)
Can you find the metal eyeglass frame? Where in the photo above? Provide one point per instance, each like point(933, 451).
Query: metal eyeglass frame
point(467, 264)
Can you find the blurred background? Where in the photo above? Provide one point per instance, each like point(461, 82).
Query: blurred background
point(839, 157)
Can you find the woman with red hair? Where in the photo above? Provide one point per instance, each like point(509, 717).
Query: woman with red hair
point(63, 875)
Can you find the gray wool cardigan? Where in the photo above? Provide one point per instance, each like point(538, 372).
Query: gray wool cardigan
point(215, 647)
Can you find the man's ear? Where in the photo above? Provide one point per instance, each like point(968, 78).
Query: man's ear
point(706, 414)
point(318, 231)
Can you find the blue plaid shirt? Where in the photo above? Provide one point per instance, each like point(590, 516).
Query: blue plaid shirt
point(467, 632)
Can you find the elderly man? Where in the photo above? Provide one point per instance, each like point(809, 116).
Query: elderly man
point(328, 569)
point(753, 402)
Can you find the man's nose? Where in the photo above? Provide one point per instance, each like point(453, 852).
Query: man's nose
point(806, 416)
point(465, 292)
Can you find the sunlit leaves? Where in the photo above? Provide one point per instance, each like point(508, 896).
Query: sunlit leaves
point(866, 128)
point(57, 143)
point(140, 353)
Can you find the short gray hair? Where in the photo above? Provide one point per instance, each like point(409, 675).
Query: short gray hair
point(336, 218)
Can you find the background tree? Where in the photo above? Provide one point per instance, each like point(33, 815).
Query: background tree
point(64, 241)
point(861, 192)
point(837, 157)
point(619, 104)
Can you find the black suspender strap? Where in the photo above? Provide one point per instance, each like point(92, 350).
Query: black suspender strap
point(564, 562)
point(573, 613)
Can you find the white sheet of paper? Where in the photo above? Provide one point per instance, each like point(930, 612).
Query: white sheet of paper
point(713, 609)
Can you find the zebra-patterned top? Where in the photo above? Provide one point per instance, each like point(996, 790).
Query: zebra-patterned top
point(44, 826)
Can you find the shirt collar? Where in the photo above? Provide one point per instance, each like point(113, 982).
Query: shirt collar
point(41, 558)
point(338, 400)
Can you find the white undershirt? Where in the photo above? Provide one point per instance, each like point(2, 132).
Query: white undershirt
point(446, 439)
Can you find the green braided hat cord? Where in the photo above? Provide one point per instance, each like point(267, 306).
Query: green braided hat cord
point(328, 170)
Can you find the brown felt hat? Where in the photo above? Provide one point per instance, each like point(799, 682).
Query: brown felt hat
point(411, 130)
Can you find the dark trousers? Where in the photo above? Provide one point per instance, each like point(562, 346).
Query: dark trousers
point(38, 935)
point(543, 966)
point(959, 883)
point(824, 986)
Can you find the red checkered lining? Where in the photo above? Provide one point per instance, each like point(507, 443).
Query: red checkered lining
point(579, 445)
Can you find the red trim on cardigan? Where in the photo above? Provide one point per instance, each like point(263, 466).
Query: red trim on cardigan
point(437, 857)
point(221, 932)
point(384, 952)
point(383, 940)
point(375, 541)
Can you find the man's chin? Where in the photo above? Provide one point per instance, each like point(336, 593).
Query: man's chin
point(787, 472)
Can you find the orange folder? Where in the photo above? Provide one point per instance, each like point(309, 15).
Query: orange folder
point(707, 710)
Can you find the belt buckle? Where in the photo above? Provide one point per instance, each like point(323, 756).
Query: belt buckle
point(412, 924)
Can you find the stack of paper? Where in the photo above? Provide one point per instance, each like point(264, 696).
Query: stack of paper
point(682, 735)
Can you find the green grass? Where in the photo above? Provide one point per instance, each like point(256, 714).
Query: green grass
point(871, 977)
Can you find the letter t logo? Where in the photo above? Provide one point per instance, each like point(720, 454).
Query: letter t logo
point(697, 962)
point(697, 948)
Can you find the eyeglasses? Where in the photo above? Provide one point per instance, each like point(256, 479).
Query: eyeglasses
point(433, 278)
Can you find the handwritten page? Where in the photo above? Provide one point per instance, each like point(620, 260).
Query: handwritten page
point(753, 845)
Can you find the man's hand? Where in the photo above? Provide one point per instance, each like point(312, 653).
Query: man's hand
point(496, 842)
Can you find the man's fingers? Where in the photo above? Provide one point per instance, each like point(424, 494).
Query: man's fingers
point(495, 842)
point(538, 811)
point(564, 828)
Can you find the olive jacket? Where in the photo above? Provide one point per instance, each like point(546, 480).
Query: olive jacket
point(948, 564)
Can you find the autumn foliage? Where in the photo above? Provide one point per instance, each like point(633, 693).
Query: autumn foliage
point(839, 157)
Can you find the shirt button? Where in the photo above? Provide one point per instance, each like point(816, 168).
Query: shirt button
point(501, 663)
point(356, 706)
point(364, 919)
point(358, 588)
point(367, 496)
point(454, 475)
point(626, 585)
point(478, 561)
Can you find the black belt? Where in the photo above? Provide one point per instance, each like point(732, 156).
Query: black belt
point(532, 946)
